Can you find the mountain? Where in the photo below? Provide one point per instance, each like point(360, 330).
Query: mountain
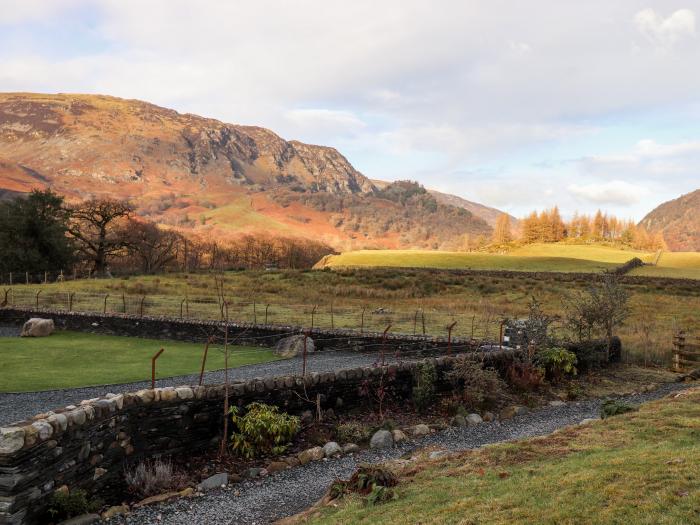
point(210, 178)
point(678, 220)
point(490, 215)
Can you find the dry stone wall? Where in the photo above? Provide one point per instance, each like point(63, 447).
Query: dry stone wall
point(88, 446)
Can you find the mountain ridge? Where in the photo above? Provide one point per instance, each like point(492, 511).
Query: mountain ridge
point(678, 220)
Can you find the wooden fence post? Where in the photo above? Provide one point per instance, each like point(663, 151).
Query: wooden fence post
point(37, 299)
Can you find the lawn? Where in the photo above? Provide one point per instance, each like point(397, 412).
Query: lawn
point(469, 261)
point(73, 359)
point(640, 468)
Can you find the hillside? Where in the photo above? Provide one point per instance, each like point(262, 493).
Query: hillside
point(679, 221)
point(487, 213)
point(210, 178)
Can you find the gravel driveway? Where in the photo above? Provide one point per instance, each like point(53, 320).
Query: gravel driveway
point(291, 491)
point(15, 407)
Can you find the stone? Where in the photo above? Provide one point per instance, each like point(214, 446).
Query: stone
point(99, 472)
point(11, 439)
point(307, 417)
point(213, 482)
point(277, 466)
point(557, 403)
point(293, 346)
point(59, 422)
point(31, 435)
point(474, 419)
point(420, 430)
point(184, 493)
point(184, 392)
point(381, 439)
point(398, 435)
point(168, 394)
point(458, 421)
point(350, 448)
point(253, 472)
point(37, 327)
point(76, 417)
point(512, 411)
point(83, 519)
point(116, 510)
point(158, 498)
point(44, 429)
point(331, 449)
point(292, 461)
point(437, 454)
point(118, 399)
point(311, 454)
point(589, 420)
point(488, 417)
point(146, 395)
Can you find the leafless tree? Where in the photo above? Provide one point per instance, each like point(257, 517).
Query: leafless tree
point(154, 247)
point(94, 224)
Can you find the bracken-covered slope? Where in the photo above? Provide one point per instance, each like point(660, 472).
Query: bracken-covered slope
point(206, 176)
point(679, 221)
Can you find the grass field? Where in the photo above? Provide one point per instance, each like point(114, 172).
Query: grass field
point(676, 265)
point(640, 468)
point(467, 261)
point(72, 359)
point(389, 296)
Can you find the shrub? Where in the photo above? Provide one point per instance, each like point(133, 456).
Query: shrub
point(525, 377)
point(556, 362)
point(424, 390)
point(574, 391)
point(614, 407)
point(65, 505)
point(477, 386)
point(153, 477)
point(262, 430)
point(373, 481)
point(352, 432)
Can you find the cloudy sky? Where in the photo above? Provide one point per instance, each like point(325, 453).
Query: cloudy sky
point(516, 104)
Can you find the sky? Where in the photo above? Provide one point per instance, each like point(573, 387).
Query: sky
point(516, 104)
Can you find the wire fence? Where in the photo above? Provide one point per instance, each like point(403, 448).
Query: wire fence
point(365, 318)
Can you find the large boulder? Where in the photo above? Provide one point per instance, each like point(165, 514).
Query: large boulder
point(293, 346)
point(37, 327)
point(382, 439)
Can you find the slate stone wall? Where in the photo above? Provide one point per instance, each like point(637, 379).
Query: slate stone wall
point(195, 330)
point(89, 445)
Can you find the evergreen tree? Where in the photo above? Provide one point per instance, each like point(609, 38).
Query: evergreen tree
point(33, 234)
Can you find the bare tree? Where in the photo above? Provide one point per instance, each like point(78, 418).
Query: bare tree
point(152, 246)
point(94, 225)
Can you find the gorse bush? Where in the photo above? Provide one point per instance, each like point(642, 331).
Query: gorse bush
point(477, 386)
point(153, 477)
point(261, 430)
point(373, 481)
point(556, 362)
point(424, 389)
point(352, 432)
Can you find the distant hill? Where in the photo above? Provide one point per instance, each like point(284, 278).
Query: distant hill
point(213, 179)
point(679, 221)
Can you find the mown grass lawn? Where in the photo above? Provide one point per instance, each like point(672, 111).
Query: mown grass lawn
point(72, 359)
point(641, 468)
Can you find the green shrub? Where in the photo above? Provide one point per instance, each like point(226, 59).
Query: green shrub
point(477, 386)
point(352, 432)
point(556, 362)
point(65, 505)
point(261, 430)
point(424, 389)
point(614, 407)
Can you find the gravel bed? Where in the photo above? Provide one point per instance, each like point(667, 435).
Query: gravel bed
point(15, 407)
point(289, 492)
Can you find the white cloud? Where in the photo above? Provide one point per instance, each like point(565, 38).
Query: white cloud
point(615, 192)
point(665, 32)
point(321, 122)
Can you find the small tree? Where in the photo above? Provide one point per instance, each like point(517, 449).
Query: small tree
point(95, 227)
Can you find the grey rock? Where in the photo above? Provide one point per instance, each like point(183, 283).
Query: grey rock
point(213, 482)
point(474, 419)
point(83, 519)
point(488, 417)
point(398, 436)
point(37, 327)
point(293, 346)
point(458, 421)
point(437, 454)
point(11, 439)
point(253, 472)
point(421, 430)
point(589, 420)
point(557, 403)
point(350, 448)
point(382, 439)
point(331, 449)
point(311, 454)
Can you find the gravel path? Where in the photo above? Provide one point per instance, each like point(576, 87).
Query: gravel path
point(15, 407)
point(292, 491)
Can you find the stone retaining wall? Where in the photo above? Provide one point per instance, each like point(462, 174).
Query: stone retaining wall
point(88, 446)
point(195, 330)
